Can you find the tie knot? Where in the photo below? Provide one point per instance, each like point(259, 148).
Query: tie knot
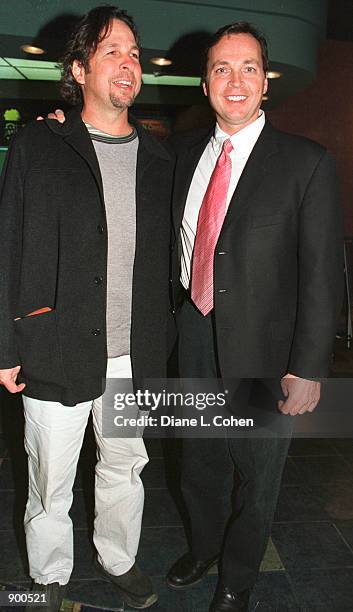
point(227, 146)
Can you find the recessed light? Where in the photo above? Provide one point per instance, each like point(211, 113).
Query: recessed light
point(274, 74)
point(161, 61)
point(32, 49)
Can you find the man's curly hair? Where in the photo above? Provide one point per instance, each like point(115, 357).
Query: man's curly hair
point(89, 32)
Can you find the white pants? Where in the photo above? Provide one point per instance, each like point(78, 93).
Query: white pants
point(53, 440)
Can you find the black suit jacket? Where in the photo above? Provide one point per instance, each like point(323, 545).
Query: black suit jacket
point(53, 238)
point(278, 262)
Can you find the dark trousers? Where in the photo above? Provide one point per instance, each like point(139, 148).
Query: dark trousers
point(230, 485)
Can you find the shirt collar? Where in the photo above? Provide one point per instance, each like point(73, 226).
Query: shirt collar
point(242, 141)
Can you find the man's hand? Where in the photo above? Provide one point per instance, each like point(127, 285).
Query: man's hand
point(302, 395)
point(59, 115)
point(8, 379)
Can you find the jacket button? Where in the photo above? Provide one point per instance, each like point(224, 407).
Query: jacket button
point(222, 290)
point(100, 229)
point(95, 332)
point(98, 280)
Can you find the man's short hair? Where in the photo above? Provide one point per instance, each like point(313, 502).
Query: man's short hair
point(90, 31)
point(239, 27)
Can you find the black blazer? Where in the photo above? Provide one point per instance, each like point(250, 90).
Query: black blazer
point(279, 259)
point(53, 238)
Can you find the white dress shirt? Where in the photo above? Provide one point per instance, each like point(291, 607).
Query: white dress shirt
point(243, 143)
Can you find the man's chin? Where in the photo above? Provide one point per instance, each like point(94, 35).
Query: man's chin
point(122, 103)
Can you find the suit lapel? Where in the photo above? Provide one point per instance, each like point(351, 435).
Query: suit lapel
point(75, 134)
point(80, 141)
point(149, 151)
point(252, 175)
point(145, 157)
point(186, 166)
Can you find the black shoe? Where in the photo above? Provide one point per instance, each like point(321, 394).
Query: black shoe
point(135, 587)
point(52, 594)
point(188, 571)
point(225, 600)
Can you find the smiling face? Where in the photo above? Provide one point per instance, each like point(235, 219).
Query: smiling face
point(235, 81)
point(114, 77)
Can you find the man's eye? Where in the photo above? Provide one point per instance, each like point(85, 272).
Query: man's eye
point(135, 55)
point(221, 70)
point(250, 69)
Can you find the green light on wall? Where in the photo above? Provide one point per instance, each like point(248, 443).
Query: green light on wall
point(183, 81)
point(39, 70)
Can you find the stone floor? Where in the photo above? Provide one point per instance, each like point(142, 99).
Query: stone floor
point(308, 566)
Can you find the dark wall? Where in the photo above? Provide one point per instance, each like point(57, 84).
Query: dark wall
point(324, 112)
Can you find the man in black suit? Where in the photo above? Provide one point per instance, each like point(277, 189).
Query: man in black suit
point(258, 227)
point(84, 239)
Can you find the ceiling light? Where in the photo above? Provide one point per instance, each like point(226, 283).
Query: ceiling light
point(32, 49)
point(161, 61)
point(273, 74)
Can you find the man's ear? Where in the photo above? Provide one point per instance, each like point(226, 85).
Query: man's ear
point(78, 72)
point(265, 86)
point(204, 87)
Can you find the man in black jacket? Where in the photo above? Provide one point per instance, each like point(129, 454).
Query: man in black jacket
point(259, 230)
point(84, 295)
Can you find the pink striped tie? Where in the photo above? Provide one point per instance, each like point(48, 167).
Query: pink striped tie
point(209, 224)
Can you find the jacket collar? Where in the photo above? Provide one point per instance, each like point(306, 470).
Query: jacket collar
point(250, 180)
point(152, 145)
point(258, 165)
point(75, 133)
point(74, 125)
point(195, 144)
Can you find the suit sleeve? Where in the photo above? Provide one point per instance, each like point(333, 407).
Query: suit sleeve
point(11, 219)
point(320, 265)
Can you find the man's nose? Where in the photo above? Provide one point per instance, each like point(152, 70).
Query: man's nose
point(126, 62)
point(235, 78)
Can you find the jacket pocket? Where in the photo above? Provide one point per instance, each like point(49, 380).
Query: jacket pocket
point(39, 349)
point(268, 219)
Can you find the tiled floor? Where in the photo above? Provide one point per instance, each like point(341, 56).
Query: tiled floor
point(309, 563)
